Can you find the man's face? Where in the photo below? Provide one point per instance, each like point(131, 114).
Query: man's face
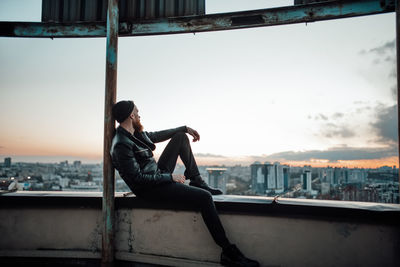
point(136, 120)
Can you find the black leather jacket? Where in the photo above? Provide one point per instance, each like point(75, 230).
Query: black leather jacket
point(132, 156)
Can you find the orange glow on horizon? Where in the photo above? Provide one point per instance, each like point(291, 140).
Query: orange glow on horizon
point(366, 163)
point(32, 148)
point(315, 163)
point(96, 155)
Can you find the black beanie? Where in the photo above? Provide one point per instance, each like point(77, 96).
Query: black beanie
point(122, 109)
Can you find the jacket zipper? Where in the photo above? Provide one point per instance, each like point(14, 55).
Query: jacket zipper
point(141, 142)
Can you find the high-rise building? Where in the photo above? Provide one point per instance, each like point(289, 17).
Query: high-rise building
point(306, 180)
point(357, 176)
point(321, 174)
point(325, 188)
point(269, 177)
point(258, 177)
point(286, 177)
point(336, 175)
point(278, 168)
point(64, 163)
point(346, 175)
point(7, 162)
point(77, 164)
point(217, 178)
point(330, 176)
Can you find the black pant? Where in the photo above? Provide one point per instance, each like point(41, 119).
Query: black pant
point(197, 198)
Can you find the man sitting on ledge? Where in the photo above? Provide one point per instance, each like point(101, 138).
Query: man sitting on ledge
point(132, 156)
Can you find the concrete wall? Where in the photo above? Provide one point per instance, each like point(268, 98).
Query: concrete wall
point(180, 238)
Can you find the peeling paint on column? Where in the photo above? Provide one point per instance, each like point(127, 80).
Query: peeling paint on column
point(108, 246)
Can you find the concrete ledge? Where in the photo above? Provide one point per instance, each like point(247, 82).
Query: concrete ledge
point(365, 212)
point(286, 232)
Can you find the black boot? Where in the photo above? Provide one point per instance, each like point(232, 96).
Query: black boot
point(199, 182)
point(232, 257)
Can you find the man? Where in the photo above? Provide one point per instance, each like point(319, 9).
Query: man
point(132, 156)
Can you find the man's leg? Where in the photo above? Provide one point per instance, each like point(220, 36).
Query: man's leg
point(198, 199)
point(179, 145)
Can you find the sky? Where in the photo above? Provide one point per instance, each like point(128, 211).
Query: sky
point(320, 93)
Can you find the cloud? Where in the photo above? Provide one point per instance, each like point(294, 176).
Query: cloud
point(331, 130)
point(324, 117)
point(360, 102)
point(338, 115)
point(393, 90)
point(335, 154)
point(393, 73)
point(385, 54)
point(363, 109)
point(385, 125)
point(376, 61)
point(381, 50)
point(320, 116)
point(390, 59)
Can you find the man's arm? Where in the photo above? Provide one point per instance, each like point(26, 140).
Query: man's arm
point(161, 136)
point(164, 135)
point(129, 169)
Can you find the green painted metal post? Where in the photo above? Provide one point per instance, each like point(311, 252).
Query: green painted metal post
point(109, 127)
point(398, 77)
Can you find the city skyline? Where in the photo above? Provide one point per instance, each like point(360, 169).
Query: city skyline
point(262, 179)
point(306, 94)
point(210, 160)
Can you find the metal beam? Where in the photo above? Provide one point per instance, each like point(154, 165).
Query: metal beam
point(398, 78)
point(214, 22)
point(109, 127)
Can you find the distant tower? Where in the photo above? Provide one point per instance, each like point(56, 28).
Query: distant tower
point(258, 178)
point(77, 164)
point(64, 163)
point(306, 180)
point(329, 176)
point(279, 180)
point(337, 175)
point(217, 178)
point(346, 175)
point(286, 177)
point(7, 162)
point(270, 173)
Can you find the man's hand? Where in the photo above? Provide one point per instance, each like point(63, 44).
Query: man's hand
point(194, 133)
point(179, 178)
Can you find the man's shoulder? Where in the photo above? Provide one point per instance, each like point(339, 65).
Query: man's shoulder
point(121, 138)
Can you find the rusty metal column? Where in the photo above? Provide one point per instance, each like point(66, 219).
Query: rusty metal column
point(109, 126)
point(398, 76)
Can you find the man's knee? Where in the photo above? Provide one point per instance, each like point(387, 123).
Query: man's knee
point(205, 196)
point(180, 136)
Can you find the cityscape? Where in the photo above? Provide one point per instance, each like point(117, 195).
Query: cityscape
point(259, 179)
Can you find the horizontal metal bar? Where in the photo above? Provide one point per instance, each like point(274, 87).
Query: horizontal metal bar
point(214, 22)
point(52, 30)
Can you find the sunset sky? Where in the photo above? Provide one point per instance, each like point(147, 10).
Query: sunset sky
point(320, 93)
